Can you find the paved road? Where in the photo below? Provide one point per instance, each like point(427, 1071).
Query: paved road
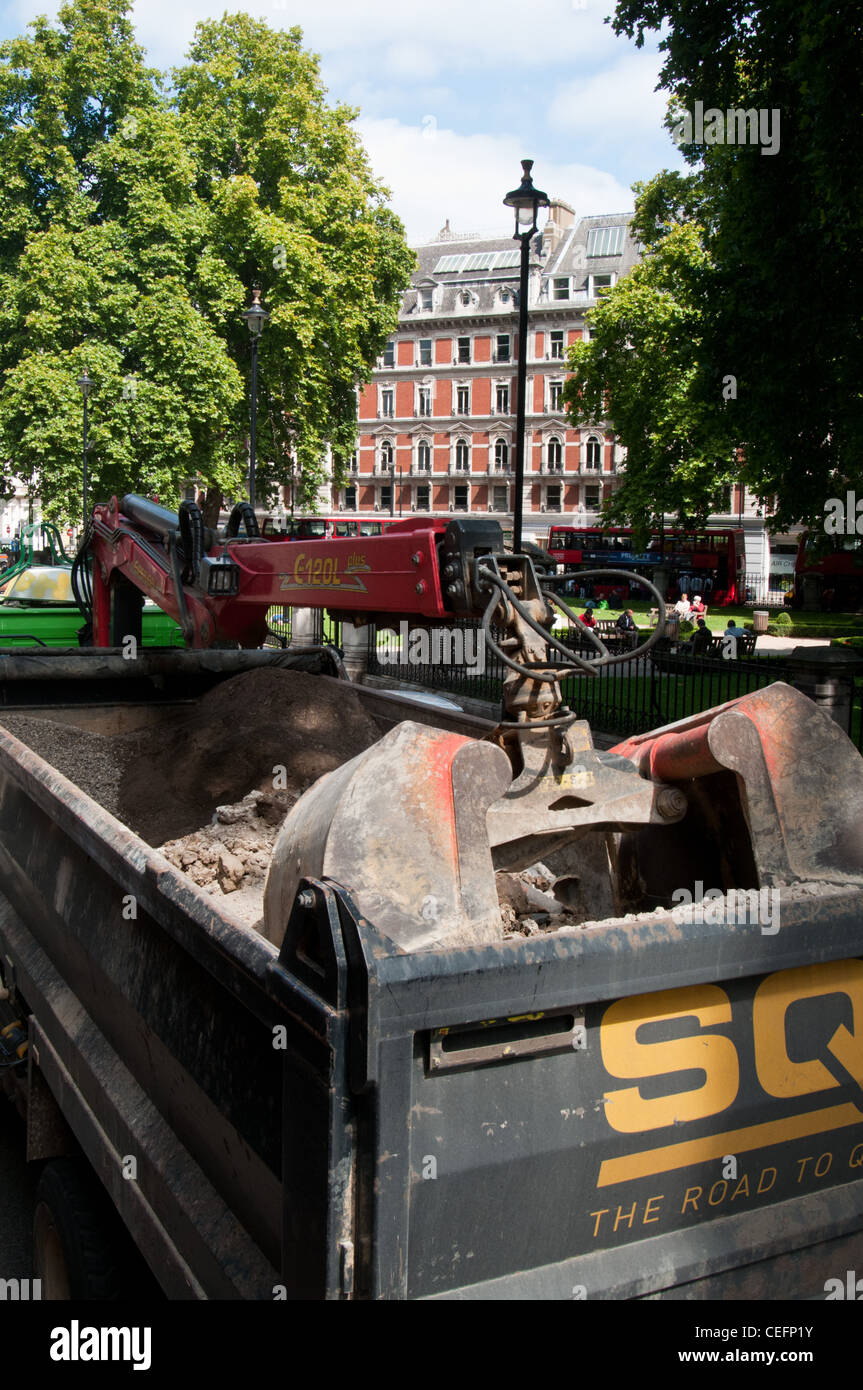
point(17, 1190)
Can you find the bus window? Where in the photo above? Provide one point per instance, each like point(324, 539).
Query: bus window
point(370, 528)
point(346, 528)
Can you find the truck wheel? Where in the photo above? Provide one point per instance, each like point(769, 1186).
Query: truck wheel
point(77, 1250)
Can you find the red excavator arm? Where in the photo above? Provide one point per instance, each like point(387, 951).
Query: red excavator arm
point(219, 587)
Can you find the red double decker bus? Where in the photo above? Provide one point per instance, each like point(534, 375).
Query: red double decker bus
point(315, 528)
point(709, 563)
point(828, 571)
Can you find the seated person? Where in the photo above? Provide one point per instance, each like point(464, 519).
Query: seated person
point(626, 622)
point(682, 606)
point(702, 639)
point(697, 608)
point(732, 628)
point(587, 617)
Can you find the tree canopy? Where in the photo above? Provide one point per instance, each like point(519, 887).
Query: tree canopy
point(136, 214)
point(770, 311)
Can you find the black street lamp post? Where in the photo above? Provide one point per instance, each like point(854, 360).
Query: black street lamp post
point(255, 316)
point(85, 383)
point(527, 201)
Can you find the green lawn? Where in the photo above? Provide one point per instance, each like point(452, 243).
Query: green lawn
point(805, 624)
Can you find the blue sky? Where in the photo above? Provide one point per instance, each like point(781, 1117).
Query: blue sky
point(452, 94)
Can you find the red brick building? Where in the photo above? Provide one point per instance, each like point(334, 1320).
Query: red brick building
point(440, 410)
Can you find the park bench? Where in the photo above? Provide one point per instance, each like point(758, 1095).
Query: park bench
point(680, 659)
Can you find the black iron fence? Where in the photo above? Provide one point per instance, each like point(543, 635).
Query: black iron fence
point(641, 693)
point(321, 628)
point(766, 592)
point(638, 694)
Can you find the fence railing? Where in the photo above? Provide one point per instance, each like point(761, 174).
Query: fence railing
point(318, 627)
point(642, 693)
point(763, 592)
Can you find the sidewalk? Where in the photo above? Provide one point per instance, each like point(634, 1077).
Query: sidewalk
point(765, 643)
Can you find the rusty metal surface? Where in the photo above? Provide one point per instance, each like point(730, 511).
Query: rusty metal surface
point(567, 796)
point(403, 825)
point(800, 779)
point(48, 1134)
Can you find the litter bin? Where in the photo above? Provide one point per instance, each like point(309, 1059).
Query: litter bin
point(760, 619)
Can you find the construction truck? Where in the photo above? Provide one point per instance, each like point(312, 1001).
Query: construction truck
point(388, 1087)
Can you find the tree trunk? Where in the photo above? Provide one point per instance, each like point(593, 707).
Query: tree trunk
point(212, 506)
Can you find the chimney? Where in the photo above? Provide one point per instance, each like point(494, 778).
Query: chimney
point(445, 234)
point(561, 217)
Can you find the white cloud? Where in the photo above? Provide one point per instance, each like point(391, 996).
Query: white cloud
point(448, 35)
point(436, 174)
point(620, 99)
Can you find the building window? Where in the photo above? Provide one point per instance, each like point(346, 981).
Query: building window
point(350, 499)
point(501, 454)
point(552, 498)
point(464, 349)
point(424, 400)
point(600, 283)
point(354, 464)
point(594, 452)
point(390, 353)
point(386, 496)
point(501, 400)
point(605, 241)
point(502, 350)
point(555, 453)
point(561, 288)
point(425, 355)
point(462, 456)
point(423, 502)
point(461, 497)
point(386, 453)
point(387, 402)
point(499, 500)
point(463, 400)
point(427, 296)
point(556, 343)
point(555, 391)
point(424, 456)
point(591, 499)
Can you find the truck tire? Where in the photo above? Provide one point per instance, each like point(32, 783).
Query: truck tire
point(78, 1251)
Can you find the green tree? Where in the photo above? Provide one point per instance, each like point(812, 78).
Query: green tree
point(781, 299)
point(133, 223)
point(642, 370)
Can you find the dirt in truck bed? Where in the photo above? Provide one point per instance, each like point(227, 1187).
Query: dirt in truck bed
point(166, 781)
point(201, 786)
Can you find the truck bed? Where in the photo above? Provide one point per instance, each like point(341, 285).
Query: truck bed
point(650, 1107)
